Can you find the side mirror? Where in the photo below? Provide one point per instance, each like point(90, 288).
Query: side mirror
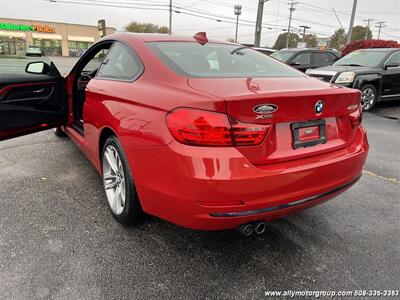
point(392, 65)
point(37, 67)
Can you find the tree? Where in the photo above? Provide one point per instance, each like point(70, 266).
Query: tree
point(338, 39)
point(311, 40)
point(359, 33)
point(281, 40)
point(369, 44)
point(145, 28)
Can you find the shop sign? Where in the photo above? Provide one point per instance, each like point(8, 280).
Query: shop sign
point(20, 27)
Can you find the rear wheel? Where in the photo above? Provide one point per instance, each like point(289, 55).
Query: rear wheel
point(118, 183)
point(369, 97)
point(59, 132)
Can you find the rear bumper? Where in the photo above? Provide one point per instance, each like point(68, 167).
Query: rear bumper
point(294, 204)
point(218, 188)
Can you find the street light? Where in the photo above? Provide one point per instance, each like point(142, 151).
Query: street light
point(238, 12)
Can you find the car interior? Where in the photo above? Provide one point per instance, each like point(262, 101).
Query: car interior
point(86, 70)
point(35, 96)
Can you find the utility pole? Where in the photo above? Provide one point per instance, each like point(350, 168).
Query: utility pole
point(367, 29)
point(238, 12)
point(304, 31)
point(380, 25)
point(257, 35)
point(170, 17)
point(353, 14)
point(291, 9)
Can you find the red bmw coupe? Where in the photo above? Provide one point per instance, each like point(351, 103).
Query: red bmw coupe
point(205, 134)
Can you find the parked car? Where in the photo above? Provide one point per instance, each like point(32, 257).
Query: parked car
point(266, 51)
point(375, 72)
point(307, 58)
point(206, 146)
point(33, 51)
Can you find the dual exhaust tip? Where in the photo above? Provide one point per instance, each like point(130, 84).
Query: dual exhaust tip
point(248, 228)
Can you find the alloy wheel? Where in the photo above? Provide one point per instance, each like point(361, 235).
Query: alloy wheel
point(114, 179)
point(368, 98)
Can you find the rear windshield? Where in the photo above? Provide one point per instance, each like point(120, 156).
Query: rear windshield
point(283, 55)
point(192, 59)
point(362, 58)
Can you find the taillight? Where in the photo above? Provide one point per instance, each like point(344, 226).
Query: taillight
point(206, 128)
point(356, 118)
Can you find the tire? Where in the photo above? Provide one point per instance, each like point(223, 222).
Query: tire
point(119, 188)
point(369, 97)
point(59, 132)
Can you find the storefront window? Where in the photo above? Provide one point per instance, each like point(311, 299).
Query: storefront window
point(11, 46)
point(49, 47)
point(76, 49)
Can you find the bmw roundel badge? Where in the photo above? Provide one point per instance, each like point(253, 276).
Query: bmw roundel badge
point(319, 106)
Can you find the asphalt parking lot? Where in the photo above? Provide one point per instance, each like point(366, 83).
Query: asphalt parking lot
point(59, 241)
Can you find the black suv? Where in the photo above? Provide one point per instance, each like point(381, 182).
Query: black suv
point(307, 58)
point(375, 72)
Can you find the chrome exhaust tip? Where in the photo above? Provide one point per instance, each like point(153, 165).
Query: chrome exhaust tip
point(260, 227)
point(246, 229)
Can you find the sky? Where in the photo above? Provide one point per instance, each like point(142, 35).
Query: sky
point(216, 17)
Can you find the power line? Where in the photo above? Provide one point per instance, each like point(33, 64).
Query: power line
point(106, 4)
point(176, 9)
point(198, 13)
point(334, 11)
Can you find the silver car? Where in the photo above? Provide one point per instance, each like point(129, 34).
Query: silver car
point(33, 51)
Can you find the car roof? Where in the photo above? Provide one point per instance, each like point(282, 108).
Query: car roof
point(261, 48)
point(157, 37)
point(380, 49)
point(307, 49)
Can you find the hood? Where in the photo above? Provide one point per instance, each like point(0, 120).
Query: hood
point(331, 70)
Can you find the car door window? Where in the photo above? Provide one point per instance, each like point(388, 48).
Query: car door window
point(94, 64)
point(120, 63)
point(394, 59)
point(321, 59)
point(302, 59)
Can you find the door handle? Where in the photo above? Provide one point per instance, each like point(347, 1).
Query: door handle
point(38, 91)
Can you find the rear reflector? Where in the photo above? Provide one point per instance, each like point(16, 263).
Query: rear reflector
point(245, 134)
point(206, 128)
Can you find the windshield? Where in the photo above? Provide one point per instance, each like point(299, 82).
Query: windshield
point(282, 55)
point(192, 59)
point(362, 58)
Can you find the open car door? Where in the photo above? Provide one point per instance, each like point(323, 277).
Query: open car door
point(32, 101)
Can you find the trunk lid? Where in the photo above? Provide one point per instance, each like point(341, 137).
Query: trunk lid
point(295, 100)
